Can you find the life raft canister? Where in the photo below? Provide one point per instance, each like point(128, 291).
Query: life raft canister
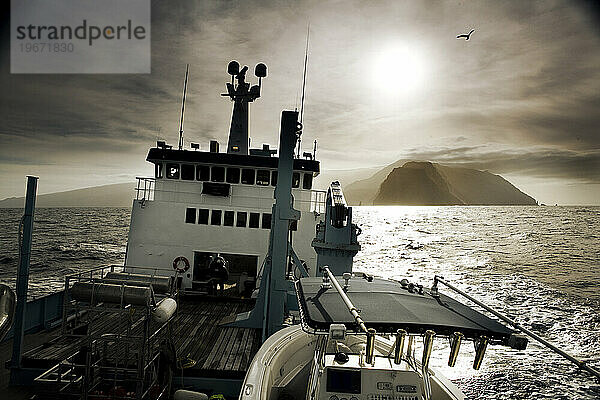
point(177, 267)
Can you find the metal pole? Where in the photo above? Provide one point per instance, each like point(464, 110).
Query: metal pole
point(283, 213)
point(399, 347)
point(579, 363)
point(187, 70)
point(370, 346)
point(346, 300)
point(23, 273)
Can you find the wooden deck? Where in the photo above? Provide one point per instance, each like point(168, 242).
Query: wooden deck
point(215, 350)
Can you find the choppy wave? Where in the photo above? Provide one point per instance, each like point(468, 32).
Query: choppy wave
point(538, 265)
point(515, 259)
point(65, 240)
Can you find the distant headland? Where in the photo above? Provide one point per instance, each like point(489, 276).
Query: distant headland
point(116, 195)
point(428, 183)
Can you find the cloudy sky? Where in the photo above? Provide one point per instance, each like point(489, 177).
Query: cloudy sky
point(387, 80)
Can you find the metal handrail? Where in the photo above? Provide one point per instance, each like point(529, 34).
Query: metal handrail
point(581, 364)
point(141, 189)
point(238, 196)
point(144, 193)
point(353, 310)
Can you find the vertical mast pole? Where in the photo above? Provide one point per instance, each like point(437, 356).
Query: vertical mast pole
point(304, 75)
point(23, 274)
point(303, 87)
point(187, 68)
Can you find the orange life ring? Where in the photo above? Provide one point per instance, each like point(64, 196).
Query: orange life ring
point(186, 264)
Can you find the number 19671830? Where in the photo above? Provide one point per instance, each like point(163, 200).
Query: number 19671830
point(47, 47)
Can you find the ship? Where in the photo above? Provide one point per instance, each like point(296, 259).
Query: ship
point(199, 233)
point(238, 282)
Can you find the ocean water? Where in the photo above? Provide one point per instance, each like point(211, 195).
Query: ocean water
point(65, 241)
point(538, 265)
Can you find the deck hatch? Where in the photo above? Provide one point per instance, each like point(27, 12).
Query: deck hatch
point(387, 306)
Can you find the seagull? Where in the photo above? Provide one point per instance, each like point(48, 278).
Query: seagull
point(467, 37)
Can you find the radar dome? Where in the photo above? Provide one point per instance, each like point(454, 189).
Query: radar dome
point(260, 70)
point(233, 68)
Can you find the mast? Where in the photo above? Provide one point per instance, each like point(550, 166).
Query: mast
point(303, 87)
point(187, 68)
point(241, 94)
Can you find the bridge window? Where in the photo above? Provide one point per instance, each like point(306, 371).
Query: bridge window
point(248, 176)
point(273, 178)
point(266, 221)
point(190, 216)
point(296, 180)
point(217, 174)
point(173, 171)
point(203, 173)
point(187, 172)
point(233, 175)
point(254, 220)
point(158, 170)
point(203, 216)
point(262, 177)
point(307, 182)
point(216, 217)
point(241, 219)
point(228, 218)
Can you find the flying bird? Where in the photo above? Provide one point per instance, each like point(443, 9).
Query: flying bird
point(467, 37)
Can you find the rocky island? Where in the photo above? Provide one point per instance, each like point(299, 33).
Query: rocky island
point(428, 183)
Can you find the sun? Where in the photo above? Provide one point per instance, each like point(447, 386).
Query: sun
point(398, 70)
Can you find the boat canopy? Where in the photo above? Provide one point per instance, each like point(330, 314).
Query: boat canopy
point(387, 306)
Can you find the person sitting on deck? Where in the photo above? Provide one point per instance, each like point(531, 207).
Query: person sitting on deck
point(218, 269)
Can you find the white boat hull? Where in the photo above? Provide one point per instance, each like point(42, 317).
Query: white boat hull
point(278, 367)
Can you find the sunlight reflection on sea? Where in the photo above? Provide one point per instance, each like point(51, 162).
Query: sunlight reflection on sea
point(540, 265)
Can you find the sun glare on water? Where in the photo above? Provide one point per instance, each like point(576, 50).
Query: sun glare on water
point(398, 70)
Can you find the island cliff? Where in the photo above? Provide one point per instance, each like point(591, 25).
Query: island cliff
point(427, 183)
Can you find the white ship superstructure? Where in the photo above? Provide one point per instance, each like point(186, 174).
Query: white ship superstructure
point(201, 204)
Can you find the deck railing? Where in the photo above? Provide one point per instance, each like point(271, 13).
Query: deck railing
point(146, 189)
point(123, 344)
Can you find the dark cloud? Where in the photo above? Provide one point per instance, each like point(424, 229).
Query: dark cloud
point(528, 81)
point(542, 163)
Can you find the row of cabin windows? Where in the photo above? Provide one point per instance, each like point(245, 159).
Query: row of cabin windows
point(240, 219)
point(246, 176)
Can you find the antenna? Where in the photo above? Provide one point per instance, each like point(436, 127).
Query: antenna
point(303, 86)
point(187, 68)
point(304, 74)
